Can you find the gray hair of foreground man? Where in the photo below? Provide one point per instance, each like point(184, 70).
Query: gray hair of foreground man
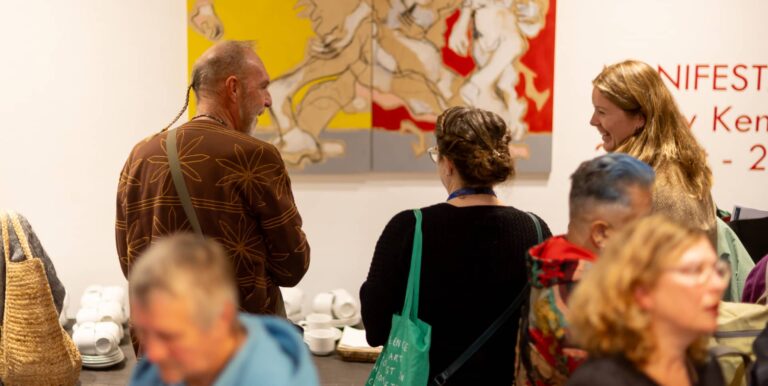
point(605, 180)
point(187, 267)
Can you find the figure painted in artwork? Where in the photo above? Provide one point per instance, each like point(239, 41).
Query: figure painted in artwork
point(408, 68)
point(500, 29)
point(338, 63)
point(203, 19)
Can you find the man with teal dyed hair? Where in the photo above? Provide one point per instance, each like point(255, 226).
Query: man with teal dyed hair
point(607, 193)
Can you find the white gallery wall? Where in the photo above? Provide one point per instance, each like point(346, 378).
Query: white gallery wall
point(83, 80)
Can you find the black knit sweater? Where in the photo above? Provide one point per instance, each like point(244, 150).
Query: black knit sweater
point(473, 267)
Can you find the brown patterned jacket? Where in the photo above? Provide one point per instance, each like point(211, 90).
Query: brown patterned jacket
point(242, 196)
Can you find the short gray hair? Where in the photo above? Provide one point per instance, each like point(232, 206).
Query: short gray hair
point(604, 180)
point(219, 62)
point(185, 266)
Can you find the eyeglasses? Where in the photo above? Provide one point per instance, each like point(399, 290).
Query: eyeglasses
point(433, 153)
point(702, 273)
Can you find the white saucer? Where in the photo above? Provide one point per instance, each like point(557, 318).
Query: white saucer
point(102, 361)
point(116, 353)
point(346, 322)
point(336, 334)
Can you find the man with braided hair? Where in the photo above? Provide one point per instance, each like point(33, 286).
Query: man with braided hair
point(238, 186)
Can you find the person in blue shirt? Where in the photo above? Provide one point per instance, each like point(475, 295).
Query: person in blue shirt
point(184, 310)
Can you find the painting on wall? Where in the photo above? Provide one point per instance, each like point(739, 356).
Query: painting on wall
point(357, 85)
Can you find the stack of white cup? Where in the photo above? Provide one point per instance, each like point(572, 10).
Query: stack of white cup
point(340, 305)
point(332, 309)
point(97, 338)
point(319, 334)
point(99, 326)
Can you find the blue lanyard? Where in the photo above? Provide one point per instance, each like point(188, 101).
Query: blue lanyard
point(468, 191)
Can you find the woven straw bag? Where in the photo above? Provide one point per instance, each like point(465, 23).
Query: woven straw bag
point(34, 349)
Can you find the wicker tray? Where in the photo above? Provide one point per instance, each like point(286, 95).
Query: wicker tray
point(358, 354)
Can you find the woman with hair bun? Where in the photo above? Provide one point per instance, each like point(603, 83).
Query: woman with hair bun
point(473, 258)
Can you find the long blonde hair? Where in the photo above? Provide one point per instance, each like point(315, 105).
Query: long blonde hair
point(636, 87)
point(605, 318)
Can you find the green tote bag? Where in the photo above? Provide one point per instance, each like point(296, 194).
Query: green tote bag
point(405, 358)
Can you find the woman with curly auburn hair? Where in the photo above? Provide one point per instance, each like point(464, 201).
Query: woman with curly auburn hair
point(645, 309)
point(636, 114)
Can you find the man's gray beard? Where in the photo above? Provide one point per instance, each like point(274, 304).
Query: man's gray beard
point(252, 130)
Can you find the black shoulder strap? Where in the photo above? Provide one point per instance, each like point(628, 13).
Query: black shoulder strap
point(441, 378)
point(539, 233)
point(178, 181)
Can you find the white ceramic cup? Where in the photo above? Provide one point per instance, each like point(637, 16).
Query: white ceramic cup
point(293, 298)
point(90, 341)
point(76, 326)
point(111, 311)
point(344, 305)
point(105, 342)
point(321, 341)
point(323, 303)
point(113, 293)
point(111, 328)
point(87, 314)
point(90, 299)
point(316, 322)
point(84, 340)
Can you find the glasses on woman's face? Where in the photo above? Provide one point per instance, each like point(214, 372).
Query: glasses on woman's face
point(701, 273)
point(433, 153)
